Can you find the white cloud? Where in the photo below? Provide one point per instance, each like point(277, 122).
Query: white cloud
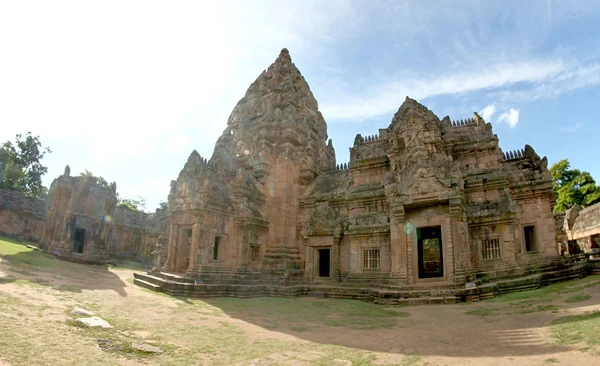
point(488, 112)
point(577, 77)
point(511, 117)
point(388, 96)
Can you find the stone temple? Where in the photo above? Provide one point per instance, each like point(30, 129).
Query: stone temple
point(426, 204)
point(427, 210)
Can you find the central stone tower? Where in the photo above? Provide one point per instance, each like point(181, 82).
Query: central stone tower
point(274, 145)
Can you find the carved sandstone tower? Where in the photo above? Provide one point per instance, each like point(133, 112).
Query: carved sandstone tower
point(272, 149)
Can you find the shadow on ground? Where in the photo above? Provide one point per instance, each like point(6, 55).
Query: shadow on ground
point(443, 330)
point(22, 265)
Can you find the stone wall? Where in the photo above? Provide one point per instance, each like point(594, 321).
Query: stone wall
point(21, 216)
point(581, 226)
point(136, 233)
point(84, 204)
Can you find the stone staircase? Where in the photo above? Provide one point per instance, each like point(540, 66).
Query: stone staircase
point(505, 280)
point(175, 285)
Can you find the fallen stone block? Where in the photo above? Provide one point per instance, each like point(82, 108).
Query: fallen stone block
point(94, 322)
point(142, 347)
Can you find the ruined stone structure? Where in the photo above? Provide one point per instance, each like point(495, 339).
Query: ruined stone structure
point(21, 216)
point(578, 229)
point(424, 204)
point(83, 223)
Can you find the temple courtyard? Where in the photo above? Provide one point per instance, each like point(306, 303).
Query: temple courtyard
point(558, 324)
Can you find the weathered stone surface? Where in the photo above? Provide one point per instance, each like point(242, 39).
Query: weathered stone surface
point(21, 217)
point(143, 347)
point(94, 322)
point(80, 311)
point(84, 210)
point(578, 228)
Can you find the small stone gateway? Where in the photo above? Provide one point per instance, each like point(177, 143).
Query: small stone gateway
point(424, 206)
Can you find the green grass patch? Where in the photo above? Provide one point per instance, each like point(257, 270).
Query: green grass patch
point(37, 284)
point(331, 312)
point(575, 329)
point(550, 292)
point(535, 309)
point(411, 360)
point(578, 298)
point(18, 254)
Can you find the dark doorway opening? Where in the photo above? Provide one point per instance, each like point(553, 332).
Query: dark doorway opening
point(431, 260)
point(79, 240)
point(324, 256)
point(529, 233)
point(216, 248)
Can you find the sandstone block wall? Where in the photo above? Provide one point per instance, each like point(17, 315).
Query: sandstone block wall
point(21, 216)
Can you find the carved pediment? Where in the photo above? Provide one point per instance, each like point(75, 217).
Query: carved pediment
point(324, 219)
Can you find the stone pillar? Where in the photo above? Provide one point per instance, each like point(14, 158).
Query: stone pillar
point(194, 250)
point(172, 251)
point(335, 258)
point(398, 245)
point(457, 246)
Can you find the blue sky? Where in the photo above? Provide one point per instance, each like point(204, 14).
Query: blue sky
point(127, 89)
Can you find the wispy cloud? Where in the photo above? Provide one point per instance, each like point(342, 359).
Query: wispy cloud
point(488, 112)
point(578, 126)
point(391, 94)
point(510, 117)
point(578, 77)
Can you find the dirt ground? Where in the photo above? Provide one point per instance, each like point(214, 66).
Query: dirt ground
point(37, 293)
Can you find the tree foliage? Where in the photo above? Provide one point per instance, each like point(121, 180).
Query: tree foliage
point(133, 204)
point(163, 205)
point(21, 168)
point(100, 179)
point(573, 186)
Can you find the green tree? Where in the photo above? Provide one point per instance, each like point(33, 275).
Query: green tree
point(20, 165)
point(101, 180)
point(573, 186)
point(133, 204)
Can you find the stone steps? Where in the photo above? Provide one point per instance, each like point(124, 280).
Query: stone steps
point(148, 285)
point(149, 278)
point(385, 294)
point(175, 278)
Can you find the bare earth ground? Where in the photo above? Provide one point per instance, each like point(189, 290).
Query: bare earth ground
point(553, 325)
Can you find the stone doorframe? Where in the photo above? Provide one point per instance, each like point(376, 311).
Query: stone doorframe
point(322, 242)
point(175, 235)
point(413, 251)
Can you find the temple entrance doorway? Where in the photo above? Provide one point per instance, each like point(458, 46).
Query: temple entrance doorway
point(431, 260)
point(324, 262)
point(183, 251)
point(79, 240)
